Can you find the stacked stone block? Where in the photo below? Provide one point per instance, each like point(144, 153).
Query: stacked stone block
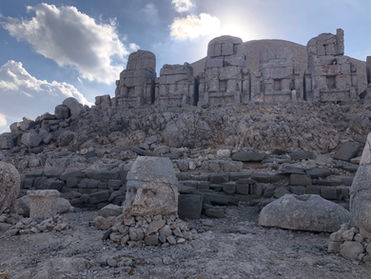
point(136, 85)
point(280, 81)
point(176, 86)
point(331, 76)
point(226, 79)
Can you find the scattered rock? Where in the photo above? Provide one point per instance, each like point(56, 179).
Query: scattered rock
point(347, 151)
point(110, 210)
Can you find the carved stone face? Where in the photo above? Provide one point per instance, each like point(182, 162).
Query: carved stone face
point(149, 198)
point(151, 188)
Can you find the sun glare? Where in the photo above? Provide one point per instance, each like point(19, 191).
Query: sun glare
point(237, 30)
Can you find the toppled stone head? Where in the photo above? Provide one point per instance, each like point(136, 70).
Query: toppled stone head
point(10, 183)
point(152, 188)
point(360, 193)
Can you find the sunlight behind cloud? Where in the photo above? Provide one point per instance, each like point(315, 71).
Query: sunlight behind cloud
point(193, 26)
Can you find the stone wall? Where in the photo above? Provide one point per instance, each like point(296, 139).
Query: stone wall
point(83, 187)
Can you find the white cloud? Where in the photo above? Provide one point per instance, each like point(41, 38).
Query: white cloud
point(72, 38)
point(21, 94)
point(193, 26)
point(3, 121)
point(133, 47)
point(182, 6)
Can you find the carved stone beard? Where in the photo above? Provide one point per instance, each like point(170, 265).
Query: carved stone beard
point(150, 198)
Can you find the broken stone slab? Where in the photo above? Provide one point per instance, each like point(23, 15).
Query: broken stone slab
point(43, 203)
point(286, 170)
point(318, 172)
point(10, 183)
point(248, 156)
point(360, 193)
point(304, 212)
point(299, 154)
point(347, 151)
point(345, 166)
point(6, 141)
point(300, 179)
point(110, 210)
point(190, 206)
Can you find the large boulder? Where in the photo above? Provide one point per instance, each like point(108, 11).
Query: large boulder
point(10, 183)
point(304, 212)
point(347, 151)
point(152, 187)
point(62, 112)
point(31, 139)
point(22, 206)
point(360, 193)
point(74, 106)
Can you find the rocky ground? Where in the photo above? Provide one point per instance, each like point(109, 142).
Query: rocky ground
point(230, 247)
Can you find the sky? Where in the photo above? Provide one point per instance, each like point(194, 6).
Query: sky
point(52, 50)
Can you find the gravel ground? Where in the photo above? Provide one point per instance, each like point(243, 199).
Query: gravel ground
point(231, 247)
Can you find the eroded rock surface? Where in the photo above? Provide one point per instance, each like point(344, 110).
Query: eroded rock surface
point(10, 182)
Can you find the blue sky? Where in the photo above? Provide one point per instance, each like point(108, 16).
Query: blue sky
point(50, 50)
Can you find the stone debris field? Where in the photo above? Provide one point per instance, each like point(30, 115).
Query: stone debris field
point(253, 162)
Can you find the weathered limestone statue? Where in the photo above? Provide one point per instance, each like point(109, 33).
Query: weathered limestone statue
point(136, 85)
point(152, 188)
point(360, 193)
point(176, 86)
point(332, 76)
point(10, 183)
point(226, 78)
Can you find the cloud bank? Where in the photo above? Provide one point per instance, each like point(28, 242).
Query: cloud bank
point(193, 26)
point(72, 38)
point(21, 94)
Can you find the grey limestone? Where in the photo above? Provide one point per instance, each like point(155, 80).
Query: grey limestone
point(43, 203)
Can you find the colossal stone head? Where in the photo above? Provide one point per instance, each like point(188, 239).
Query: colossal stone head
point(141, 60)
point(152, 188)
point(223, 46)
